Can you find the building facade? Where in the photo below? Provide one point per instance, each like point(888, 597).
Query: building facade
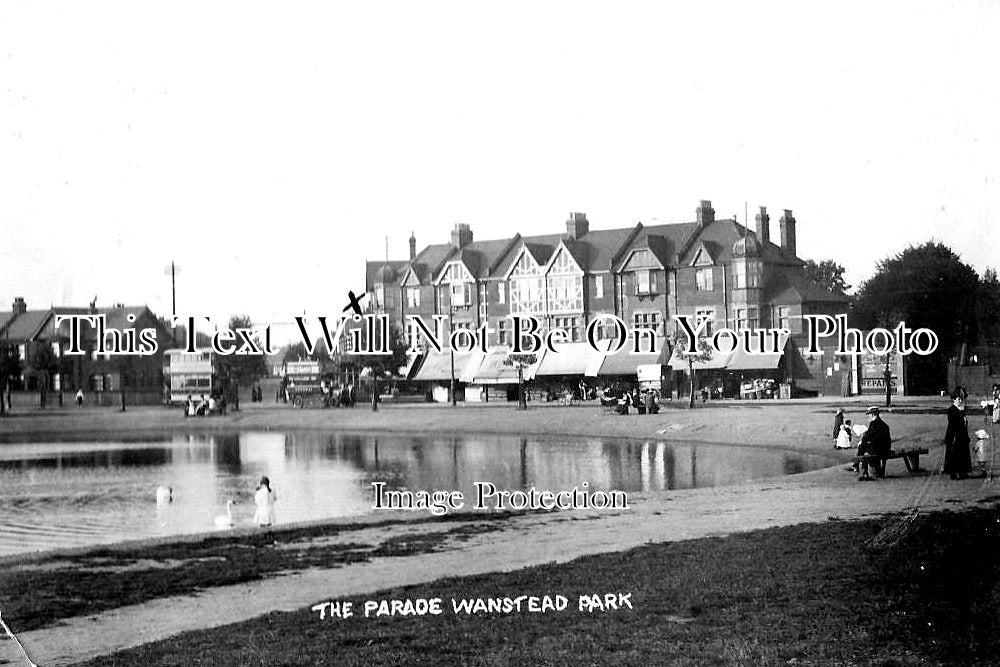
point(710, 269)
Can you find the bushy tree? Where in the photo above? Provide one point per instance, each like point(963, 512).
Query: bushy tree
point(242, 368)
point(925, 286)
point(827, 274)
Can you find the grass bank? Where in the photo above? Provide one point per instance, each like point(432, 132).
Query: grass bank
point(876, 592)
point(39, 592)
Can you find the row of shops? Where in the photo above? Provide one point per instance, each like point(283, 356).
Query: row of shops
point(577, 368)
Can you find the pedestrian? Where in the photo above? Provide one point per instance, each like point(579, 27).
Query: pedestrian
point(996, 404)
point(264, 498)
point(876, 442)
point(838, 421)
point(79, 398)
point(981, 448)
point(844, 438)
point(957, 461)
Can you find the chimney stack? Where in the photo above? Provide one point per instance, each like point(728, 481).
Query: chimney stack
point(413, 247)
point(705, 214)
point(20, 307)
point(763, 225)
point(787, 224)
point(577, 225)
point(461, 236)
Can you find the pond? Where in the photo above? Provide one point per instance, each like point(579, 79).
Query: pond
point(85, 492)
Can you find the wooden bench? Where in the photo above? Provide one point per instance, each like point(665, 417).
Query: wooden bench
point(911, 457)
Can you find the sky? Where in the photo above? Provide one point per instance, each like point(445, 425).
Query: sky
point(270, 148)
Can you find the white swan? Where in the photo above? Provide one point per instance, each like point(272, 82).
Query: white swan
point(225, 520)
point(164, 495)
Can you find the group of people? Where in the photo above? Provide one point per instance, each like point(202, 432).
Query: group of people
point(645, 402)
point(875, 445)
point(204, 406)
point(256, 394)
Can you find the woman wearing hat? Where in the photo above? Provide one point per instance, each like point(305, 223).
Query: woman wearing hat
point(957, 460)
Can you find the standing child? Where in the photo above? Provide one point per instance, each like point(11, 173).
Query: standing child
point(981, 450)
point(844, 437)
point(264, 498)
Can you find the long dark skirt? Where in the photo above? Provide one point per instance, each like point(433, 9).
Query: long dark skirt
point(957, 459)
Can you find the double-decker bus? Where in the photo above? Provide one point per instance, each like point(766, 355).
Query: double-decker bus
point(189, 374)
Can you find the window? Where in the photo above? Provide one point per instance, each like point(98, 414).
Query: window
point(461, 294)
point(645, 282)
point(649, 321)
point(501, 292)
point(598, 287)
point(412, 297)
point(379, 295)
point(703, 280)
point(482, 302)
point(706, 315)
point(783, 312)
point(571, 325)
point(746, 318)
point(502, 332)
point(746, 273)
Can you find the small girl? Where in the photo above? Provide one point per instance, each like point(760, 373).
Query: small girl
point(264, 498)
point(980, 450)
point(844, 437)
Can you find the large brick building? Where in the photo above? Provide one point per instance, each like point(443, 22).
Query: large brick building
point(645, 274)
point(709, 268)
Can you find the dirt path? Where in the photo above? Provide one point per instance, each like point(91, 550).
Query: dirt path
point(526, 540)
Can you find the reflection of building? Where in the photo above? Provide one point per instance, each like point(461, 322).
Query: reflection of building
point(32, 333)
point(709, 269)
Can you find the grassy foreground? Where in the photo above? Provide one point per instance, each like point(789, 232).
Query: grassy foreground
point(885, 592)
point(57, 587)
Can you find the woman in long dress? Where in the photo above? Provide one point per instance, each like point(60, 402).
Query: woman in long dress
point(957, 460)
point(264, 498)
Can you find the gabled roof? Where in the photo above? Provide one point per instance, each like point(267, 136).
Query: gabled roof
point(26, 326)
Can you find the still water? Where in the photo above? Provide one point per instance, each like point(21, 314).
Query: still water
point(77, 493)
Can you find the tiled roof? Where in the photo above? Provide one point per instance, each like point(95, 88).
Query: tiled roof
point(26, 325)
point(598, 250)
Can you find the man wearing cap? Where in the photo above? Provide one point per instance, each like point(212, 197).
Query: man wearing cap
point(877, 441)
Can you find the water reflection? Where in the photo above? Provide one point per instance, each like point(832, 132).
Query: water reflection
point(78, 493)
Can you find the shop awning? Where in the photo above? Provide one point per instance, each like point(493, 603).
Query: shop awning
point(624, 362)
point(679, 363)
point(437, 367)
point(568, 359)
point(739, 360)
point(490, 368)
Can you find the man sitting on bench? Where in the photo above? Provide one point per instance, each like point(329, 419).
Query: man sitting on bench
point(875, 442)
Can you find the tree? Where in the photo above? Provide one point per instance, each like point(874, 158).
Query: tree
point(988, 309)
point(827, 274)
point(704, 353)
point(242, 368)
point(45, 362)
point(10, 367)
point(925, 286)
point(237, 369)
point(521, 361)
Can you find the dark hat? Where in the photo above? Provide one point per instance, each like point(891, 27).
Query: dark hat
point(873, 410)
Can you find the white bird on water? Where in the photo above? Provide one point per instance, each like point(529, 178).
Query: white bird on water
point(225, 520)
